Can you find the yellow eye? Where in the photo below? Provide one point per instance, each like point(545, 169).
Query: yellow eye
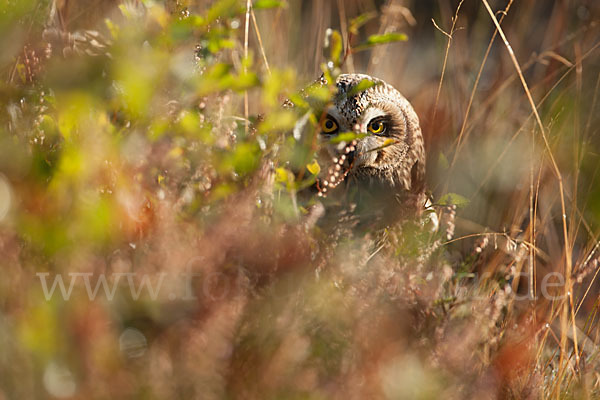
point(376, 127)
point(329, 125)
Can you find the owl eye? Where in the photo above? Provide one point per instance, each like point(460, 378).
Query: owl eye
point(377, 127)
point(329, 125)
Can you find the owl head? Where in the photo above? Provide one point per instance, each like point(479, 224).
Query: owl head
point(388, 148)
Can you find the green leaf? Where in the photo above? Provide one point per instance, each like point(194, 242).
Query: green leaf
point(453, 199)
point(112, 28)
point(222, 9)
point(443, 161)
point(388, 142)
point(361, 86)
point(265, 4)
point(278, 121)
point(375, 40)
point(216, 44)
point(222, 191)
point(333, 41)
point(314, 167)
point(275, 85)
point(246, 158)
point(241, 82)
point(319, 93)
point(126, 12)
point(386, 38)
point(347, 137)
point(359, 21)
point(283, 175)
point(47, 124)
point(297, 99)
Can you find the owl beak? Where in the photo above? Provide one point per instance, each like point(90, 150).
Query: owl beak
point(364, 153)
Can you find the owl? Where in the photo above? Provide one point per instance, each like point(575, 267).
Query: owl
point(379, 173)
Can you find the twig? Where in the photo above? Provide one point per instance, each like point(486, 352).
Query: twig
point(348, 36)
point(477, 79)
point(260, 43)
point(449, 35)
point(569, 265)
point(542, 101)
point(246, 28)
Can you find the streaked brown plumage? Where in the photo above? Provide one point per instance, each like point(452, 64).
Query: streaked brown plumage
point(381, 175)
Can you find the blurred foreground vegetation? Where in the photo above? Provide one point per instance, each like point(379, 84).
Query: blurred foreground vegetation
point(147, 160)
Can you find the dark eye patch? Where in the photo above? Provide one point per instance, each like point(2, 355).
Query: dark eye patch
point(380, 126)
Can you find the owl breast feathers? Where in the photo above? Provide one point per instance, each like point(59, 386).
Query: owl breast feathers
point(382, 173)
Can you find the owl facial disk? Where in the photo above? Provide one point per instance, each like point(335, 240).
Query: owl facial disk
point(380, 126)
point(379, 122)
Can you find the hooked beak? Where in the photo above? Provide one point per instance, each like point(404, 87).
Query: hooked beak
point(365, 153)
